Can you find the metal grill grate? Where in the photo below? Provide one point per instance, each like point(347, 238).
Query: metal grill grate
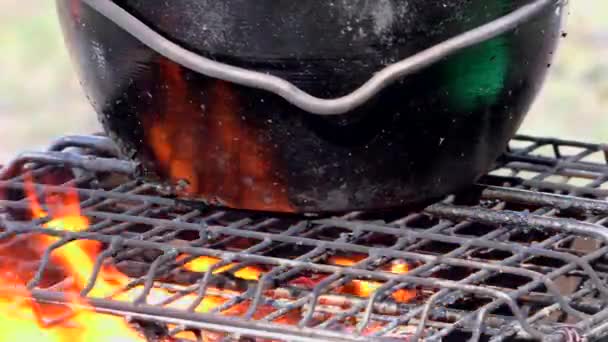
point(496, 262)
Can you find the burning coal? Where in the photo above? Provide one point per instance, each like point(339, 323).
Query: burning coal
point(72, 266)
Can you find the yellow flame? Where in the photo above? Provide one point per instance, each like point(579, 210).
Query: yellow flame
point(365, 288)
point(204, 263)
point(86, 325)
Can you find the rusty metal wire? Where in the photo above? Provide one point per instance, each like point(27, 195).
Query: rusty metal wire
point(519, 255)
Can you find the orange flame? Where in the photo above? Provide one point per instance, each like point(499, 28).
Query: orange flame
point(77, 256)
point(365, 288)
point(63, 212)
point(25, 320)
point(22, 321)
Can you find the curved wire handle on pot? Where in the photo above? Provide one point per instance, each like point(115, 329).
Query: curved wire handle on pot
point(295, 95)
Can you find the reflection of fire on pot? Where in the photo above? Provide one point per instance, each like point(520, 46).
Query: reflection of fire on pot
point(208, 147)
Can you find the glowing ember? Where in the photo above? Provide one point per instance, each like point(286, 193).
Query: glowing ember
point(78, 258)
point(203, 264)
point(292, 317)
point(365, 288)
point(400, 268)
point(346, 261)
point(29, 319)
point(159, 295)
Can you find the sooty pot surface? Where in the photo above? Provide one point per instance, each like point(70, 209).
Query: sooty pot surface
point(423, 136)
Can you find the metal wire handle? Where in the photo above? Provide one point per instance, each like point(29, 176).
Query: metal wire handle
point(292, 93)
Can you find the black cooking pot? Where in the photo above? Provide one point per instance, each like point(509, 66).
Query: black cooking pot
point(245, 139)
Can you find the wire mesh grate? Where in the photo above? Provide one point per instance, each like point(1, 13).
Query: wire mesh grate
point(520, 255)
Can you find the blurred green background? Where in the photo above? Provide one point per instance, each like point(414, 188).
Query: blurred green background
point(40, 98)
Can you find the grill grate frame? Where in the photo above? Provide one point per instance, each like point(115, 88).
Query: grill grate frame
point(493, 263)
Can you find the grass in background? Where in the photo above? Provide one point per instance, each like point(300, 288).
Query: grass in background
point(574, 101)
point(40, 98)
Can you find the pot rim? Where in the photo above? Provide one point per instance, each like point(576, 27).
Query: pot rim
point(298, 97)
